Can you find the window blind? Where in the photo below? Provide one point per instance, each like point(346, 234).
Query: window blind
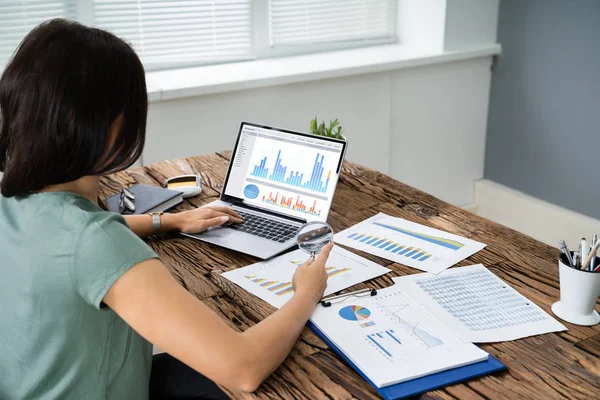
point(168, 33)
point(305, 22)
point(181, 33)
point(17, 18)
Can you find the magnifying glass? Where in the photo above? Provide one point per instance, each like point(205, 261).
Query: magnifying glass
point(313, 236)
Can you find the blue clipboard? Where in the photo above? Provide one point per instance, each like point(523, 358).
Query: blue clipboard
point(425, 383)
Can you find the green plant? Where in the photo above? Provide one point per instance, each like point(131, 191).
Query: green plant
point(334, 129)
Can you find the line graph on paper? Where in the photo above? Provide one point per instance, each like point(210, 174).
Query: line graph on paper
point(428, 339)
point(403, 338)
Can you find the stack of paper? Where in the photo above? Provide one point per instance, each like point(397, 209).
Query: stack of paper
point(391, 339)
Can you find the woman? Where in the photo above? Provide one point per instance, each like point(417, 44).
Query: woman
point(81, 296)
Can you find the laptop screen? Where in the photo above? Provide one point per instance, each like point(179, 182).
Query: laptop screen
point(286, 172)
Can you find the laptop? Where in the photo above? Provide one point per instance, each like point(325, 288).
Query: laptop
point(278, 180)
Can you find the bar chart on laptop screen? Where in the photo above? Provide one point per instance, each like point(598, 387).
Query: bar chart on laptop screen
point(316, 180)
point(292, 176)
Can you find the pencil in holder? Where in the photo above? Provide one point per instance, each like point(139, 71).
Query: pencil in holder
point(579, 291)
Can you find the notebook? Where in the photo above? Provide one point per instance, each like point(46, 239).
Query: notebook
point(148, 199)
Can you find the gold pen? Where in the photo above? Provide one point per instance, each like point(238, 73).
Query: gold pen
point(584, 264)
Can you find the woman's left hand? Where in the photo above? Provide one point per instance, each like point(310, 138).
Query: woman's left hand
point(200, 219)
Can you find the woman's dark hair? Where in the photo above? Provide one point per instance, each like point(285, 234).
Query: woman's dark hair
point(65, 86)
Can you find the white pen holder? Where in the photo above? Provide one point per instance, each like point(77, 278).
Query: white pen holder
point(579, 291)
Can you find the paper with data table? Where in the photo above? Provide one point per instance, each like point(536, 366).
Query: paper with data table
point(477, 305)
point(271, 280)
point(391, 339)
point(408, 243)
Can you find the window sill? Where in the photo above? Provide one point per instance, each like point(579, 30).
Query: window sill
point(199, 81)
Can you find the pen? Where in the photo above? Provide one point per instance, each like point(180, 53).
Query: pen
point(594, 241)
point(584, 264)
point(576, 259)
point(563, 247)
point(584, 250)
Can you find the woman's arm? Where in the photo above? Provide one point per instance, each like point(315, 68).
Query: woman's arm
point(192, 221)
point(157, 307)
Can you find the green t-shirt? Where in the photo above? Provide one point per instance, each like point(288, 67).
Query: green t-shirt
point(59, 255)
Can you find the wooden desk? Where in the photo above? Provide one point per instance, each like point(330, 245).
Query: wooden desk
point(552, 366)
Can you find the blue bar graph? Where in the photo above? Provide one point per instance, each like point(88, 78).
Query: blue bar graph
point(386, 341)
point(377, 243)
point(403, 252)
point(294, 178)
point(260, 170)
point(371, 337)
point(372, 240)
point(390, 246)
point(411, 253)
point(391, 334)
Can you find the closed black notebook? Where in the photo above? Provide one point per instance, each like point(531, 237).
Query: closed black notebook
point(148, 199)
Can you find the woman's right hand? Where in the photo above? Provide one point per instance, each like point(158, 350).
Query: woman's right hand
point(310, 279)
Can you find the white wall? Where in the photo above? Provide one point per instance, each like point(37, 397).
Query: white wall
point(421, 23)
point(447, 25)
point(210, 123)
point(439, 115)
point(537, 218)
point(470, 23)
point(424, 126)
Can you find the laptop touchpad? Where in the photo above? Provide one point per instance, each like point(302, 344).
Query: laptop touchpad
point(217, 232)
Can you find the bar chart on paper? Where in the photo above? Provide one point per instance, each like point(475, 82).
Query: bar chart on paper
point(408, 243)
point(284, 288)
point(272, 280)
point(385, 341)
point(274, 286)
point(331, 271)
point(409, 328)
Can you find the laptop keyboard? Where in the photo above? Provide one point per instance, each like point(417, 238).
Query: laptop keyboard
point(266, 228)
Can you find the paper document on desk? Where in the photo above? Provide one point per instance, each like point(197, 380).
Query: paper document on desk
point(391, 339)
point(477, 305)
point(271, 280)
point(408, 243)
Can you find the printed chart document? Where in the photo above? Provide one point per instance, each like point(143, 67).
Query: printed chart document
point(477, 305)
point(408, 243)
point(391, 339)
point(271, 280)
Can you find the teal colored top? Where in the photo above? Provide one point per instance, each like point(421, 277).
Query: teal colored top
point(59, 255)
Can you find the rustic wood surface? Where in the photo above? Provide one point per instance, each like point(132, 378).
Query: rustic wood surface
point(552, 366)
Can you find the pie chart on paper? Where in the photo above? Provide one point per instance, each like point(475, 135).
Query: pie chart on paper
point(355, 313)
